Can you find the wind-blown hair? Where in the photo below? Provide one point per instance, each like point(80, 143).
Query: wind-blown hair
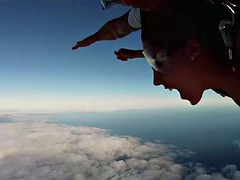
point(198, 19)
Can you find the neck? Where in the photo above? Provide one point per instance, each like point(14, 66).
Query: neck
point(232, 87)
point(228, 82)
point(218, 74)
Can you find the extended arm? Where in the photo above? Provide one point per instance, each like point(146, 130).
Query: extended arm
point(112, 30)
point(126, 54)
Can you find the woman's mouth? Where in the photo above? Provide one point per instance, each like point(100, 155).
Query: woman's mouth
point(168, 87)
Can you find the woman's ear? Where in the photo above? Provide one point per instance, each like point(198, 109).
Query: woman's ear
point(193, 49)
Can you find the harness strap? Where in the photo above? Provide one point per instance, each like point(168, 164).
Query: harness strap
point(227, 27)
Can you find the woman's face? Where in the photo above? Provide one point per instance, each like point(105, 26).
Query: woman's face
point(180, 73)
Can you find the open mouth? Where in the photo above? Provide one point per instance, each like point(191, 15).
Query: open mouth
point(169, 88)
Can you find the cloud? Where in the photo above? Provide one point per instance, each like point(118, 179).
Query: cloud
point(198, 172)
point(237, 143)
point(51, 151)
point(41, 150)
point(231, 171)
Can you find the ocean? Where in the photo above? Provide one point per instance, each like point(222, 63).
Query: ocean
point(209, 133)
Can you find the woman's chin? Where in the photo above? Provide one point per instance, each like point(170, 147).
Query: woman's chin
point(194, 102)
point(194, 99)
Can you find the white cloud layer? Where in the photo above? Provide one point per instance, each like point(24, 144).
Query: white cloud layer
point(237, 142)
point(198, 172)
point(40, 150)
point(50, 151)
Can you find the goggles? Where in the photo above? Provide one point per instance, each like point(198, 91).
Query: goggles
point(159, 62)
point(106, 4)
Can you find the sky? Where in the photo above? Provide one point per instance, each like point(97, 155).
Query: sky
point(39, 71)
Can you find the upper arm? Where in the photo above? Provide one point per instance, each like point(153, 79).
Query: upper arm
point(122, 25)
point(115, 28)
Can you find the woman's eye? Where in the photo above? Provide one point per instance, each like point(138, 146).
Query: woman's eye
point(162, 63)
point(159, 63)
point(161, 54)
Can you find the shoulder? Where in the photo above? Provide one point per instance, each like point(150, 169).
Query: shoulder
point(134, 18)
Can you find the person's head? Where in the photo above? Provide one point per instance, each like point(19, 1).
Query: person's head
point(193, 52)
point(142, 4)
point(188, 70)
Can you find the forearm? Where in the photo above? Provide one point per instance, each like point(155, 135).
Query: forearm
point(138, 54)
point(112, 30)
point(126, 54)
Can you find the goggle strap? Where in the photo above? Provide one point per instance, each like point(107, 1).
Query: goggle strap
point(107, 4)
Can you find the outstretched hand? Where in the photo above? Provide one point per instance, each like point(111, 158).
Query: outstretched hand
point(85, 42)
point(125, 54)
point(76, 46)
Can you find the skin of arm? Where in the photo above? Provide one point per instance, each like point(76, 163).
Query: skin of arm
point(126, 54)
point(112, 30)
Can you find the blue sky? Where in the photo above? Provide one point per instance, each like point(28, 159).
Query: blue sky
point(40, 71)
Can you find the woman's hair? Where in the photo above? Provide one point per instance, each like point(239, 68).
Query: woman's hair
point(197, 19)
point(236, 39)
